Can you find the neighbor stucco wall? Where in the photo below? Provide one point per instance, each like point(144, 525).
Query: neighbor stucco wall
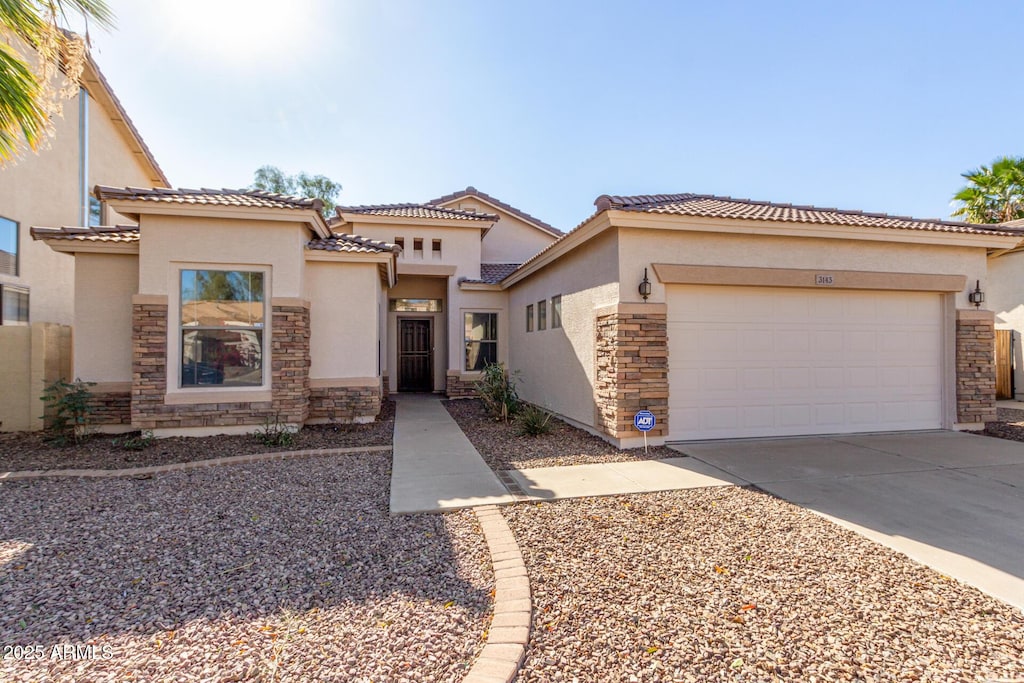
point(42, 189)
point(104, 285)
point(343, 319)
point(641, 248)
point(1005, 297)
point(557, 366)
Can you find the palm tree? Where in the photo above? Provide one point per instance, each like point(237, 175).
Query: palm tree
point(994, 194)
point(30, 88)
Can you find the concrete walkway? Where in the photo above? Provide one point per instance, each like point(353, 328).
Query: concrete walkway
point(435, 467)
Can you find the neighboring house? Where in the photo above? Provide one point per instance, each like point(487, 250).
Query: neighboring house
point(1005, 297)
point(223, 309)
point(94, 142)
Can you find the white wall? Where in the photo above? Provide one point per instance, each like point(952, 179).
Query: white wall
point(104, 285)
point(343, 314)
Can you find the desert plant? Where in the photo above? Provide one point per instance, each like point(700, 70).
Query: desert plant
point(533, 421)
point(135, 441)
point(67, 411)
point(275, 433)
point(497, 389)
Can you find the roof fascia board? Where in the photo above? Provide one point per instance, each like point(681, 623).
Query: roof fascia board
point(636, 219)
point(385, 261)
point(134, 208)
point(479, 287)
point(593, 227)
point(82, 246)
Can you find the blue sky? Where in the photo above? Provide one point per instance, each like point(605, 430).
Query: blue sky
point(876, 106)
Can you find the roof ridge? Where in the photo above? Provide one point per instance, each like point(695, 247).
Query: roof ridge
point(470, 190)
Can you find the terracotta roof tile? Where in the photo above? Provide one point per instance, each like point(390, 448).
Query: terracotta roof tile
point(417, 211)
point(223, 197)
point(472, 191)
point(710, 206)
point(351, 244)
point(493, 273)
point(108, 233)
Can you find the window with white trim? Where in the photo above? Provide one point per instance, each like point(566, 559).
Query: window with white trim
point(222, 324)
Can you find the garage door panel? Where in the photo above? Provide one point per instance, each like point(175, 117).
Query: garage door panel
point(777, 362)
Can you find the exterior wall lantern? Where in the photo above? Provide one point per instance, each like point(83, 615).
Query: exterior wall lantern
point(977, 297)
point(645, 286)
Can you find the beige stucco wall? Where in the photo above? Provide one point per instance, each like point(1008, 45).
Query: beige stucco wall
point(641, 248)
point(43, 190)
point(511, 240)
point(104, 285)
point(343, 319)
point(475, 302)
point(460, 246)
point(1005, 296)
point(557, 366)
point(31, 357)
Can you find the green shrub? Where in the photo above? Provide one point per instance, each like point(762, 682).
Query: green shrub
point(67, 411)
point(135, 441)
point(497, 389)
point(533, 421)
point(275, 433)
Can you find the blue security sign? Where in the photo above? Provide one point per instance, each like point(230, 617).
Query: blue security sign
point(644, 421)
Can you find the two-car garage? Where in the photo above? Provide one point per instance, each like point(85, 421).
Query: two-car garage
point(782, 361)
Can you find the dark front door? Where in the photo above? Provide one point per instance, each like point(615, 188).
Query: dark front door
point(415, 371)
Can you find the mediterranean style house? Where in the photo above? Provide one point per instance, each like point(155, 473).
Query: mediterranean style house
point(216, 310)
point(94, 142)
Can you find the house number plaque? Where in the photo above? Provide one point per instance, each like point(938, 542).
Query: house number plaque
point(823, 279)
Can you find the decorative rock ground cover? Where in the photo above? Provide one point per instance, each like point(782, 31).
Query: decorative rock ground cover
point(289, 571)
point(504, 449)
point(1009, 424)
point(732, 584)
point(30, 450)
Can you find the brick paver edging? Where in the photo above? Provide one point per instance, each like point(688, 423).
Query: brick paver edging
point(509, 633)
point(195, 464)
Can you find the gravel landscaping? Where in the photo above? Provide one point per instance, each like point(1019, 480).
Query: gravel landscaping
point(504, 449)
point(290, 571)
point(31, 451)
point(732, 584)
point(1009, 424)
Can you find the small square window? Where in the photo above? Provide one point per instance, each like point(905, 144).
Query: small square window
point(542, 315)
point(529, 318)
point(13, 305)
point(95, 212)
point(417, 245)
point(436, 247)
point(400, 243)
point(556, 311)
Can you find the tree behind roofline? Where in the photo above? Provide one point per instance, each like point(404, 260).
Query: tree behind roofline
point(994, 194)
point(32, 92)
point(273, 179)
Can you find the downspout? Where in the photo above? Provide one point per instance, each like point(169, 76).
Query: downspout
point(83, 156)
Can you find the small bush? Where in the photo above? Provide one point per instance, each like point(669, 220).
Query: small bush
point(497, 390)
point(533, 421)
point(275, 433)
point(67, 411)
point(135, 441)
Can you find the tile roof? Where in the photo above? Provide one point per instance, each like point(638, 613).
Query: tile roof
point(711, 206)
point(472, 191)
point(353, 244)
point(493, 273)
point(1019, 223)
point(417, 211)
point(223, 197)
point(107, 233)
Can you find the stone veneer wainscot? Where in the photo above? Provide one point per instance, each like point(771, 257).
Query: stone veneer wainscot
point(975, 367)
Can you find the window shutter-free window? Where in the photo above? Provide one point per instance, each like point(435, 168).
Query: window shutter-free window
point(481, 340)
point(8, 246)
point(556, 311)
point(542, 315)
point(529, 318)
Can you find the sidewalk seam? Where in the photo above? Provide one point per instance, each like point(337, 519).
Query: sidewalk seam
point(505, 649)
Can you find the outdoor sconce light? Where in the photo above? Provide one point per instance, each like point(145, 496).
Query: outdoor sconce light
point(645, 286)
point(977, 297)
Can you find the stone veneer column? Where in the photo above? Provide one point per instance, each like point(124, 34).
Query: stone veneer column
point(457, 386)
point(149, 359)
point(289, 353)
point(632, 368)
point(975, 367)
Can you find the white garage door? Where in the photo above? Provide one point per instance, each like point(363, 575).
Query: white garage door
point(763, 361)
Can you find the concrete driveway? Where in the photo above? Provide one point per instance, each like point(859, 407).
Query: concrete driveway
point(952, 501)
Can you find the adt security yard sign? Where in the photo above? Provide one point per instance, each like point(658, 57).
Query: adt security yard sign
point(644, 421)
